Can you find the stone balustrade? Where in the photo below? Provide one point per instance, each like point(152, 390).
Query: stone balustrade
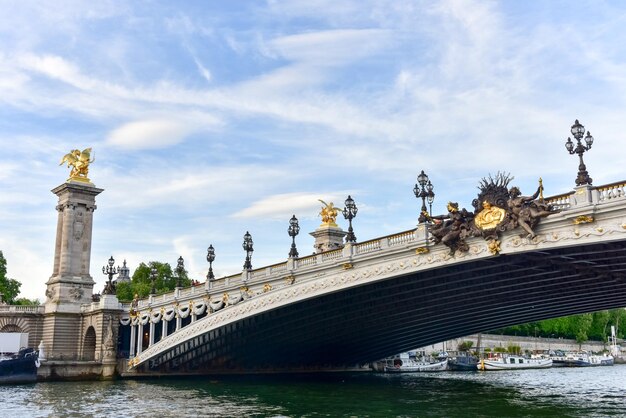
point(274, 275)
point(22, 309)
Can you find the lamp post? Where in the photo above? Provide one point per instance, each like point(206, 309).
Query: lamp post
point(349, 212)
point(424, 189)
point(109, 270)
point(247, 247)
point(293, 230)
point(578, 131)
point(153, 278)
point(210, 257)
point(180, 270)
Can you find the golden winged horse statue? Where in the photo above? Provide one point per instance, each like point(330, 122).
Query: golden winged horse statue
point(79, 161)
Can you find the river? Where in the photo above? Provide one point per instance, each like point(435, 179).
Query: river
point(556, 392)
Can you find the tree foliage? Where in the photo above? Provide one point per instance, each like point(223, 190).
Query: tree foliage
point(583, 327)
point(141, 284)
point(8, 287)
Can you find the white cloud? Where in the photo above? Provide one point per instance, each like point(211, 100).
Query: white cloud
point(149, 134)
point(332, 47)
point(283, 206)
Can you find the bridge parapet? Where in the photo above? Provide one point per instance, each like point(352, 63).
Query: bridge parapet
point(275, 274)
point(22, 309)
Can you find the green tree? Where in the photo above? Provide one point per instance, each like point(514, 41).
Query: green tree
point(8, 287)
point(27, 302)
point(580, 325)
point(140, 284)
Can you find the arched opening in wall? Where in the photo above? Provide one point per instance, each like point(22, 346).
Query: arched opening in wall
point(89, 346)
point(11, 328)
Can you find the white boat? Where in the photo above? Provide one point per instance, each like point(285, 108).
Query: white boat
point(408, 363)
point(513, 363)
point(584, 359)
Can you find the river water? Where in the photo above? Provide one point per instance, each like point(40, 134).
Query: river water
point(557, 392)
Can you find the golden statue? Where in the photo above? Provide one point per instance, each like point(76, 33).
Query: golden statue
point(489, 217)
point(329, 214)
point(79, 161)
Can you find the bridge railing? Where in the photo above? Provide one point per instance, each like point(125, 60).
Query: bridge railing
point(275, 274)
point(611, 191)
point(22, 309)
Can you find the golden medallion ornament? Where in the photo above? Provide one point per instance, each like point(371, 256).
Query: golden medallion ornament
point(489, 217)
point(79, 162)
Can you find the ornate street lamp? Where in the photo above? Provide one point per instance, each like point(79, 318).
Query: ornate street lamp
point(349, 212)
point(424, 189)
point(180, 270)
point(153, 277)
point(210, 257)
point(109, 270)
point(247, 247)
point(578, 131)
point(293, 230)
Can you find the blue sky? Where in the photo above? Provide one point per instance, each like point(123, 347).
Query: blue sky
point(211, 118)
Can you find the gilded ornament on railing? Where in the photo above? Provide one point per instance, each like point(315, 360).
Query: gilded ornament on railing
point(422, 250)
point(489, 217)
point(347, 266)
point(494, 246)
point(329, 214)
point(496, 209)
point(267, 287)
point(290, 279)
point(583, 219)
point(79, 161)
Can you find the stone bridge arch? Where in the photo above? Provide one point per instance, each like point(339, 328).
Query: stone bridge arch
point(89, 344)
point(11, 328)
point(14, 324)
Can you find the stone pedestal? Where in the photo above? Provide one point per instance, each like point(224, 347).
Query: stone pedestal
point(328, 238)
point(582, 196)
point(70, 284)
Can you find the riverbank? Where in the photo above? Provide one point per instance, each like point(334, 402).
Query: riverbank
point(493, 341)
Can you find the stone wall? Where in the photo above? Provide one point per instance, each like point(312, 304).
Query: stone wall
point(526, 343)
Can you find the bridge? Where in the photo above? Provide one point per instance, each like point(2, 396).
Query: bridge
point(368, 300)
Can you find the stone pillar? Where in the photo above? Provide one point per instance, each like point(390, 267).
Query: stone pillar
point(582, 196)
point(328, 238)
point(151, 334)
point(133, 340)
point(70, 285)
point(163, 328)
point(140, 339)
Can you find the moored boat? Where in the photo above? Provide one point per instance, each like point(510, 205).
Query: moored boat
point(463, 363)
point(584, 359)
point(513, 363)
point(20, 367)
point(406, 363)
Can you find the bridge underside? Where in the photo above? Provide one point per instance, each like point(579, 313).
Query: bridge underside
point(373, 321)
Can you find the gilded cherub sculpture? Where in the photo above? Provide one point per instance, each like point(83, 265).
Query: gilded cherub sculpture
point(329, 214)
point(79, 161)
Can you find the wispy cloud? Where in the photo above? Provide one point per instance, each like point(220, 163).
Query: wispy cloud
point(207, 121)
point(147, 134)
point(282, 206)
